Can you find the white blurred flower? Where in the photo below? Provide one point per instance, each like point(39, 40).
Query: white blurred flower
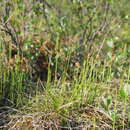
point(110, 43)
point(116, 38)
point(127, 89)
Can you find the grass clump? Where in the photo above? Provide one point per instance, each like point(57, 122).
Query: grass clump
point(64, 66)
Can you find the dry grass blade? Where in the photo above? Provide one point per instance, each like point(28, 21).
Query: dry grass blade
point(68, 104)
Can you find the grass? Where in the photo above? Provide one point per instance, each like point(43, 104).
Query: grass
point(64, 68)
point(73, 104)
